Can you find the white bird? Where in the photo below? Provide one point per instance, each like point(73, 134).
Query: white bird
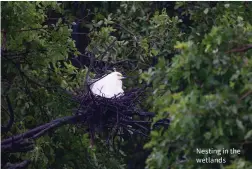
point(108, 86)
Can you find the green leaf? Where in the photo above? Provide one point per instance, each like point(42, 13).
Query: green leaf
point(227, 5)
point(206, 11)
point(248, 135)
point(240, 124)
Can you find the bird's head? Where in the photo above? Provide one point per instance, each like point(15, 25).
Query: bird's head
point(117, 75)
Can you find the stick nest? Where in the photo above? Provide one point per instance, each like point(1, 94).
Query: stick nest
point(120, 113)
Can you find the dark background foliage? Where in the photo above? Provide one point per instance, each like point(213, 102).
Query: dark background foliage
point(195, 58)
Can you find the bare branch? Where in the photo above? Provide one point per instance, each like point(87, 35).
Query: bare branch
point(11, 120)
point(242, 49)
point(21, 165)
point(108, 48)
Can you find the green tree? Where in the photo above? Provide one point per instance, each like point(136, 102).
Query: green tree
point(36, 80)
point(213, 107)
point(194, 57)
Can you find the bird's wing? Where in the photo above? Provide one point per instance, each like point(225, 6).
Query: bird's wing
point(120, 92)
point(107, 87)
point(114, 89)
point(98, 88)
point(119, 86)
point(91, 81)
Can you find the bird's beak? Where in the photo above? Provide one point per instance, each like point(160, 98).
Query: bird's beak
point(123, 77)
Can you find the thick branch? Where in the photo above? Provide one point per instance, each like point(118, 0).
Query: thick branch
point(11, 120)
point(21, 165)
point(40, 130)
point(242, 49)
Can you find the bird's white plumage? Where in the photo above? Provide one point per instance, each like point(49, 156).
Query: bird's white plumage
point(109, 86)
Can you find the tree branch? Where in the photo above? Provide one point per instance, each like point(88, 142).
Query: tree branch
point(21, 165)
point(11, 120)
point(242, 49)
point(244, 96)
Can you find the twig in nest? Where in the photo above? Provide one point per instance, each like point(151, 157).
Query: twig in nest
point(116, 112)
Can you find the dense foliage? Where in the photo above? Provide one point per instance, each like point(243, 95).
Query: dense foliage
point(195, 58)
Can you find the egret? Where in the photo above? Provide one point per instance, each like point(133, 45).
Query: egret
point(108, 86)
